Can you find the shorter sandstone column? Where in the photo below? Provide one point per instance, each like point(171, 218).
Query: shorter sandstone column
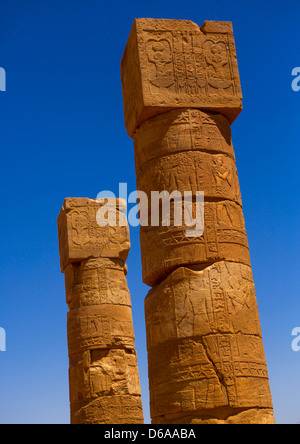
point(103, 372)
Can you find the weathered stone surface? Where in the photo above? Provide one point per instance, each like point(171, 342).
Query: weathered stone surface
point(96, 282)
point(190, 150)
point(171, 64)
point(215, 174)
point(187, 150)
point(103, 373)
point(180, 131)
point(119, 409)
point(216, 300)
point(204, 343)
point(224, 238)
point(81, 237)
point(100, 327)
point(222, 416)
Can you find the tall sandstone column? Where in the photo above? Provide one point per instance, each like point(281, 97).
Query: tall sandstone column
point(181, 93)
point(103, 371)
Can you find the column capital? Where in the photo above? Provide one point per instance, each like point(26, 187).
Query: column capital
point(81, 237)
point(171, 64)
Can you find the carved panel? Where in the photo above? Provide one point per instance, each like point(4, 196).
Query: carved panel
point(178, 65)
point(100, 327)
point(224, 238)
point(96, 281)
point(218, 300)
point(214, 174)
point(204, 341)
point(99, 373)
point(81, 237)
point(182, 130)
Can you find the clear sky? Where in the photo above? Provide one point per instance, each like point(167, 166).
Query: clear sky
point(62, 134)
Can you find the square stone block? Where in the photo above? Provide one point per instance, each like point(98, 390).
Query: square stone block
point(81, 237)
point(171, 64)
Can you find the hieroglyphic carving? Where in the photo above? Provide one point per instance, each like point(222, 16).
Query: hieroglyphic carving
point(215, 300)
point(215, 174)
point(204, 327)
point(125, 408)
point(101, 343)
point(179, 131)
point(187, 63)
point(224, 237)
point(95, 282)
point(100, 327)
point(204, 389)
point(82, 237)
point(180, 65)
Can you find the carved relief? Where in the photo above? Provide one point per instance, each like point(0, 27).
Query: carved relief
point(224, 237)
point(180, 65)
point(197, 384)
point(209, 340)
point(200, 303)
point(103, 370)
point(216, 175)
point(110, 409)
point(102, 373)
point(81, 237)
point(180, 131)
point(99, 327)
point(218, 68)
point(160, 67)
point(193, 64)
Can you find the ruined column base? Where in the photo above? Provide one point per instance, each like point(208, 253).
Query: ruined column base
point(106, 410)
point(205, 350)
point(221, 415)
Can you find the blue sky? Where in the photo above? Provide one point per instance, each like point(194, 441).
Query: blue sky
point(63, 134)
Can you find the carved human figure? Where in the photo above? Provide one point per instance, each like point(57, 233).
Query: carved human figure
point(159, 54)
point(222, 173)
point(216, 59)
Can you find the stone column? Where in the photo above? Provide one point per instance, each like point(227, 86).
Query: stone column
point(103, 371)
point(181, 93)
